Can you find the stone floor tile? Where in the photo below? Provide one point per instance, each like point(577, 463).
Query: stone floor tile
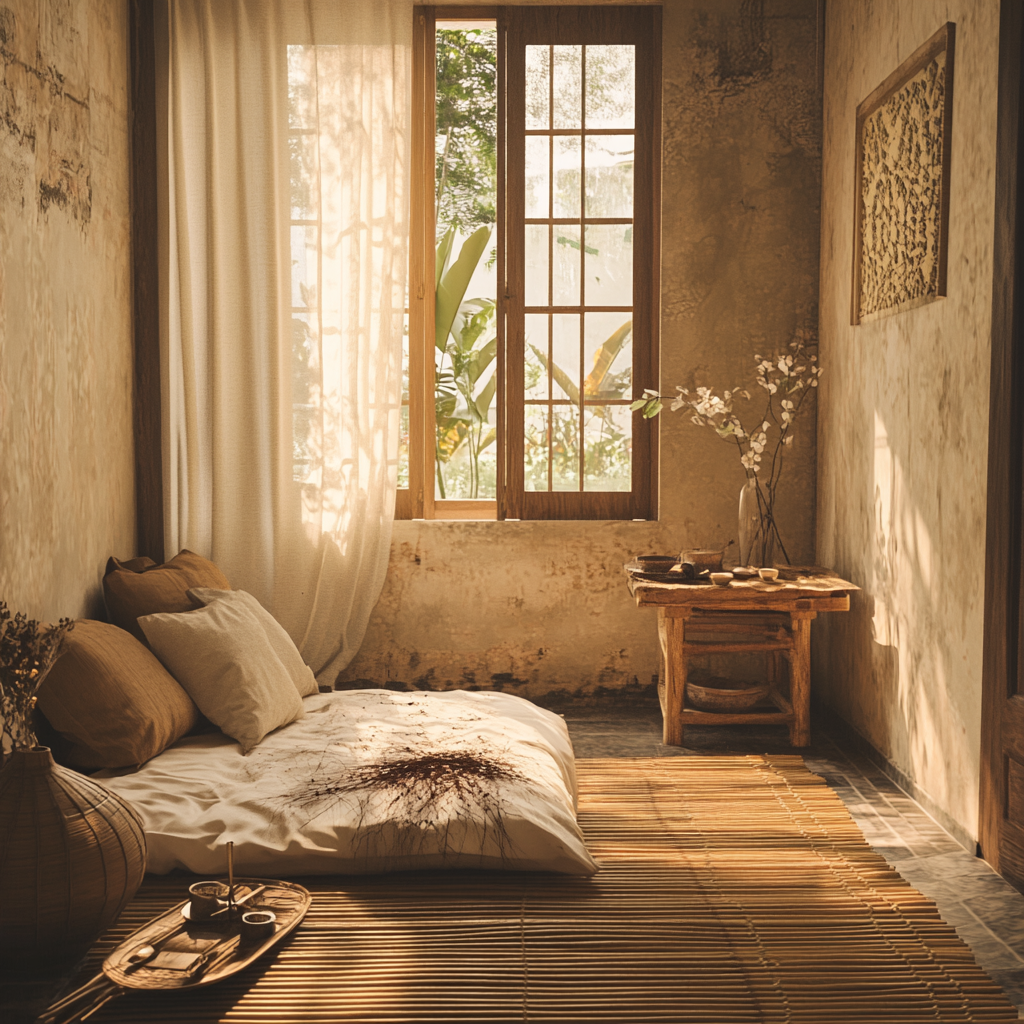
point(942, 893)
point(957, 913)
point(957, 865)
point(895, 853)
point(980, 885)
point(989, 951)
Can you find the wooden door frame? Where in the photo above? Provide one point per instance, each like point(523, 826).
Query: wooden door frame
point(1003, 565)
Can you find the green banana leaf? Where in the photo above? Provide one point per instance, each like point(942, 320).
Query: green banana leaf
point(479, 361)
point(563, 379)
point(451, 288)
point(484, 399)
point(443, 255)
point(603, 359)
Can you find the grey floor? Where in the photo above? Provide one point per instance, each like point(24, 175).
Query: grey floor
point(985, 910)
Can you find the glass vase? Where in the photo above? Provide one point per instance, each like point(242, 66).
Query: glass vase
point(757, 534)
point(751, 528)
point(750, 520)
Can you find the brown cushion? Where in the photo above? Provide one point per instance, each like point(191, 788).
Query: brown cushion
point(133, 589)
point(112, 700)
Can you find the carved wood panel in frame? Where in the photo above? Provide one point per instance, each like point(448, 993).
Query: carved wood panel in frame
point(901, 184)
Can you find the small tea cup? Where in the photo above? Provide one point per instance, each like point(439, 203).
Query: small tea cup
point(768, 575)
point(258, 924)
point(721, 579)
point(206, 898)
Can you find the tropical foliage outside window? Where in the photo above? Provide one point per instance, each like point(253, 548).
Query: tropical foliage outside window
point(466, 341)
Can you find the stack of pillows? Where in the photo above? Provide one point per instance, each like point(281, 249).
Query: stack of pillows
point(183, 646)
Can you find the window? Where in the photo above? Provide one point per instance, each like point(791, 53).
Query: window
point(533, 267)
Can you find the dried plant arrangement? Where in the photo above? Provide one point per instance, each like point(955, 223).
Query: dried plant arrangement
point(787, 380)
point(28, 650)
point(409, 800)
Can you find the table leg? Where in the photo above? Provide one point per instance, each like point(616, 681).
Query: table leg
point(671, 630)
point(800, 679)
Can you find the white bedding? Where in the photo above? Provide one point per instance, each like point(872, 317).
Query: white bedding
point(291, 807)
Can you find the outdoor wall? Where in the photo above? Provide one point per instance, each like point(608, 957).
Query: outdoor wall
point(540, 607)
point(66, 476)
point(902, 427)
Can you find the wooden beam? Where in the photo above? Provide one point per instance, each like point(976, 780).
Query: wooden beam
point(149, 513)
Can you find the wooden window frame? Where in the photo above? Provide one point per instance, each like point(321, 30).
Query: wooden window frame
point(517, 27)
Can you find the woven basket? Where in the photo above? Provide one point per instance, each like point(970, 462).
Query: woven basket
point(72, 854)
point(726, 695)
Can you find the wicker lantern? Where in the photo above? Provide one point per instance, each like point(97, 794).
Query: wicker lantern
point(72, 854)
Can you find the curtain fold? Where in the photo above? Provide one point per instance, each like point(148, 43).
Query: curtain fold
point(285, 188)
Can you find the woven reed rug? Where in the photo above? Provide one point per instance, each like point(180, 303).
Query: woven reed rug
point(733, 889)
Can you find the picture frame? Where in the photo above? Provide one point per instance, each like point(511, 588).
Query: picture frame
point(901, 184)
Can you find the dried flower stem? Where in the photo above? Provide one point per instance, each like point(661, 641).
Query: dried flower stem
point(27, 652)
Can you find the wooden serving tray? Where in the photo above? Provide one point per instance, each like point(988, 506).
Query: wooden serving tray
point(637, 571)
point(220, 946)
point(201, 952)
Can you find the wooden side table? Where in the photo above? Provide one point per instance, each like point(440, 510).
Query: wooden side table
point(781, 612)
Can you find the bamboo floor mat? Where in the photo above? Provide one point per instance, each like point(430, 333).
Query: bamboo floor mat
point(733, 889)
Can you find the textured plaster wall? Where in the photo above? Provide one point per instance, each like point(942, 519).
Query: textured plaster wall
point(66, 483)
point(540, 607)
point(903, 423)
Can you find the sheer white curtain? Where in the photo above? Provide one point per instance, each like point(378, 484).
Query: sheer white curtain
point(285, 187)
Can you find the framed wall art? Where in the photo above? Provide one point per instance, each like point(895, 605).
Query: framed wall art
point(901, 184)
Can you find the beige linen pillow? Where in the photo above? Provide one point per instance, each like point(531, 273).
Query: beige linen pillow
point(221, 656)
point(141, 587)
point(110, 699)
point(300, 673)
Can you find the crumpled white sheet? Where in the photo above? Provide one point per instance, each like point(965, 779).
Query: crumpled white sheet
point(202, 792)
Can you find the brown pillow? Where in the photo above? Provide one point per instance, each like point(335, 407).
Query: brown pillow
point(133, 589)
point(112, 700)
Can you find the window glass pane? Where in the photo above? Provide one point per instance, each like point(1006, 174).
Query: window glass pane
point(565, 285)
point(305, 179)
point(403, 438)
point(611, 85)
point(610, 175)
point(565, 351)
point(471, 469)
point(466, 141)
point(465, 409)
point(538, 169)
point(609, 264)
point(305, 392)
point(538, 92)
point(565, 448)
point(536, 264)
point(302, 99)
point(567, 175)
point(535, 447)
point(568, 67)
point(403, 450)
point(466, 200)
point(304, 265)
point(608, 446)
point(608, 357)
point(536, 356)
